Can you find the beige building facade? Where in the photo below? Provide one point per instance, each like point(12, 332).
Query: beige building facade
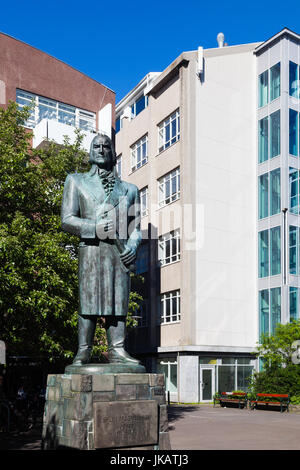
point(189, 138)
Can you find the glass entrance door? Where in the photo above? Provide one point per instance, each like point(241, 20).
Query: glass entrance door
point(207, 384)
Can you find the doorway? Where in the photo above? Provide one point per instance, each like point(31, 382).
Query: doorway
point(207, 383)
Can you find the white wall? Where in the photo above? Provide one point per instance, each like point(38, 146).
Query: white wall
point(225, 185)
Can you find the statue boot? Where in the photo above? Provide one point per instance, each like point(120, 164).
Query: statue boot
point(86, 332)
point(115, 333)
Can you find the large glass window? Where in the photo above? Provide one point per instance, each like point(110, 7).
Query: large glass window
point(275, 82)
point(264, 312)
point(269, 310)
point(269, 194)
point(263, 196)
point(269, 252)
point(263, 253)
point(269, 85)
point(46, 108)
point(294, 251)
point(263, 140)
point(293, 132)
point(294, 190)
point(263, 89)
point(294, 80)
point(169, 131)
point(294, 303)
point(275, 251)
point(27, 99)
point(275, 199)
point(269, 137)
point(275, 134)
point(226, 378)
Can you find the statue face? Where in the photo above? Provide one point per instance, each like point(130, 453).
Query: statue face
point(101, 152)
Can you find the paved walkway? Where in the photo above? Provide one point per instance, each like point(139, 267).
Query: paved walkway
point(203, 427)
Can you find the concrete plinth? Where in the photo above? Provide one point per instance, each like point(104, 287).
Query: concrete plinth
point(109, 411)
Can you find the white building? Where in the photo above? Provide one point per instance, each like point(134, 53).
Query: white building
point(214, 140)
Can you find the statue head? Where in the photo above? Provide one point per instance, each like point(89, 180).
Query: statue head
point(102, 152)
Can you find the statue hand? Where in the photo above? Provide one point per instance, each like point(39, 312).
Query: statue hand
point(128, 256)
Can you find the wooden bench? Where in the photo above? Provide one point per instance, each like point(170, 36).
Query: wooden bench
point(271, 399)
point(239, 398)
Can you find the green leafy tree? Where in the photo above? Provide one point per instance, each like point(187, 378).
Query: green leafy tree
point(281, 368)
point(38, 261)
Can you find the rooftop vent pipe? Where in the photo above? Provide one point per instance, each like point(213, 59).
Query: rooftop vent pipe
point(220, 39)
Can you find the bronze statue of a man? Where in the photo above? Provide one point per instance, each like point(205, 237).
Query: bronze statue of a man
point(104, 212)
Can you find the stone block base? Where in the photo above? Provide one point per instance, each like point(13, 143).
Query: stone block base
point(109, 411)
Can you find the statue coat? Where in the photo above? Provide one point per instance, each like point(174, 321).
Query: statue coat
point(104, 281)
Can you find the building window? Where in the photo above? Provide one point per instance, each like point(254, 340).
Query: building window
point(275, 82)
point(138, 106)
point(169, 188)
point(275, 134)
point(139, 153)
point(263, 140)
point(269, 252)
point(45, 108)
point(269, 194)
point(169, 131)
point(168, 367)
point(170, 307)
point(269, 137)
point(119, 166)
point(294, 86)
point(142, 259)
point(144, 201)
point(294, 251)
point(294, 303)
point(118, 124)
point(269, 85)
point(293, 133)
point(269, 310)
point(294, 191)
point(169, 247)
point(263, 89)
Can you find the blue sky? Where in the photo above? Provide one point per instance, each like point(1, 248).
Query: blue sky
point(117, 42)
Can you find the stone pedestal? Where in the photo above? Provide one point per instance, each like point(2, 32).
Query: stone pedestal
point(106, 411)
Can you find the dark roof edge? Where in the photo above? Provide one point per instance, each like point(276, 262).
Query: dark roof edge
point(284, 32)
